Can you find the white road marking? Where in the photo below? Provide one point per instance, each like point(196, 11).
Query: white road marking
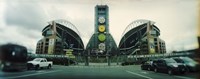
point(144, 72)
point(95, 66)
point(39, 73)
point(182, 77)
point(138, 74)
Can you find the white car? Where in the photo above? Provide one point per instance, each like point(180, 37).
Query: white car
point(38, 63)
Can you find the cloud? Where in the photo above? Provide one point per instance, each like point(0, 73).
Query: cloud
point(24, 20)
point(24, 14)
point(80, 14)
point(176, 19)
point(13, 35)
point(22, 23)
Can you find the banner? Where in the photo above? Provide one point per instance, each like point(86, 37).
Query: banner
point(151, 45)
point(51, 46)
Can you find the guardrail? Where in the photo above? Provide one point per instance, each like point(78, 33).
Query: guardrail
point(159, 55)
point(48, 56)
point(129, 56)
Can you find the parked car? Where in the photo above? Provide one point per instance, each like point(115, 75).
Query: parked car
point(127, 63)
point(190, 63)
point(38, 63)
point(147, 65)
point(168, 65)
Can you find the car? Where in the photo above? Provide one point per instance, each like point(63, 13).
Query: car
point(190, 63)
point(38, 63)
point(147, 65)
point(168, 65)
point(127, 63)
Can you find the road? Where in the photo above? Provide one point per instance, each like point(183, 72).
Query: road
point(92, 72)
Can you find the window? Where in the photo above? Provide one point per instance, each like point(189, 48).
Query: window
point(155, 39)
point(49, 32)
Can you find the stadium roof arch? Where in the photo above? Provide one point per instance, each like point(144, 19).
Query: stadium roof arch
point(137, 23)
point(67, 31)
point(133, 32)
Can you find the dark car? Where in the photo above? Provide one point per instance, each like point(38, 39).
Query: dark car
point(127, 63)
point(168, 65)
point(190, 63)
point(147, 65)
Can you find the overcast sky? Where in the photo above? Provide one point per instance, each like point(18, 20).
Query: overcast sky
point(23, 20)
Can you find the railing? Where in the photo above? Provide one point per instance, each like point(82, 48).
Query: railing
point(47, 56)
point(159, 55)
point(129, 56)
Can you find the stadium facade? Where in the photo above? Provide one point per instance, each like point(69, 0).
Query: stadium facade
point(141, 37)
point(59, 37)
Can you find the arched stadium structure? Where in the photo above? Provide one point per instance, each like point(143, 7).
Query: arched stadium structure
point(61, 37)
point(141, 37)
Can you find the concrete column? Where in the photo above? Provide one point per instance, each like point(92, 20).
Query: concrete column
point(86, 61)
point(87, 58)
point(109, 61)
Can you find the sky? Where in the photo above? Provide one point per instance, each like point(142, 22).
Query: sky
point(22, 21)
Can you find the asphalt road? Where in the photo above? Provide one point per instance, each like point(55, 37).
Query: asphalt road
point(92, 72)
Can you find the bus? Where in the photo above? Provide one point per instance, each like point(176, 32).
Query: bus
point(13, 57)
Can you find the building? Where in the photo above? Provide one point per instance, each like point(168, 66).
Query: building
point(101, 43)
point(159, 45)
point(141, 37)
point(59, 37)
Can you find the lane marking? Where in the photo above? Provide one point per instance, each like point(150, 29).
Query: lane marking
point(95, 66)
point(138, 74)
point(184, 77)
point(40, 73)
point(144, 72)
